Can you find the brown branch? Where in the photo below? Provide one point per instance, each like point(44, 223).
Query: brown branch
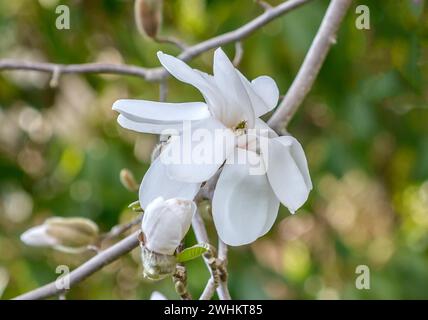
point(302, 84)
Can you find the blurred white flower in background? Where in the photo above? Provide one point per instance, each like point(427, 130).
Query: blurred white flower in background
point(245, 205)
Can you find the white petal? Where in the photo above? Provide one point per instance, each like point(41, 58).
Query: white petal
point(196, 78)
point(263, 93)
point(198, 152)
point(228, 81)
point(266, 88)
point(165, 223)
point(288, 172)
point(156, 183)
point(157, 296)
point(244, 205)
point(150, 111)
point(146, 127)
point(264, 129)
point(38, 237)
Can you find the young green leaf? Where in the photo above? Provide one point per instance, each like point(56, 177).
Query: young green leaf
point(192, 252)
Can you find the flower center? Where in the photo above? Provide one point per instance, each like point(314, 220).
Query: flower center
point(240, 128)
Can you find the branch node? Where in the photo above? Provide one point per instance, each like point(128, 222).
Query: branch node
point(56, 74)
point(239, 53)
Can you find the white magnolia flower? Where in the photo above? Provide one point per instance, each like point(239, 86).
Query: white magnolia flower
point(165, 223)
point(245, 205)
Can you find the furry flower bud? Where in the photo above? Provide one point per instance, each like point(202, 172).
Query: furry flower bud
point(128, 181)
point(64, 234)
point(148, 16)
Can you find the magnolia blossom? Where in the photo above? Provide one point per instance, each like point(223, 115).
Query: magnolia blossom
point(245, 203)
point(165, 223)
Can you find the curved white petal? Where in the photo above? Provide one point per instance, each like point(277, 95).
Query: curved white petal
point(266, 88)
point(231, 87)
point(147, 127)
point(196, 155)
point(263, 93)
point(159, 112)
point(165, 223)
point(200, 80)
point(156, 183)
point(264, 129)
point(244, 205)
point(287, 171)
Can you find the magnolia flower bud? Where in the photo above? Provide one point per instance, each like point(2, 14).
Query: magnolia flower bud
point(148, 16)
point(165, 223)
point(157, 266)
point(64, 234)
point(128, 181)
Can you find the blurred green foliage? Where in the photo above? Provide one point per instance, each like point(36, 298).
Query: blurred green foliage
point(363, 126)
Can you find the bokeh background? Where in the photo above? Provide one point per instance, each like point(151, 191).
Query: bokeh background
point(364, 127)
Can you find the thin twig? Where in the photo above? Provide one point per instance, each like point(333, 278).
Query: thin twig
point(263, 4)
point(158, 73)
point(163, 90)
point(302, 84)
point(202, 236)
point(209, 290)
point(171, 40)
point(239, 53)
point(242, 32)
point(150, 74)
point(85, 270)
point(121, 228)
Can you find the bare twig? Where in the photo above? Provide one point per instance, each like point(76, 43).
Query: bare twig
point(171, 40)
point(202, 236)
point(242, 32)
point(85, 270)
point(148, 74)
point(263, 4)
point(209, 290)
point(239, 53)
point(156, 74)
point(311, 66)
point(163, 90)
point(121, 228)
